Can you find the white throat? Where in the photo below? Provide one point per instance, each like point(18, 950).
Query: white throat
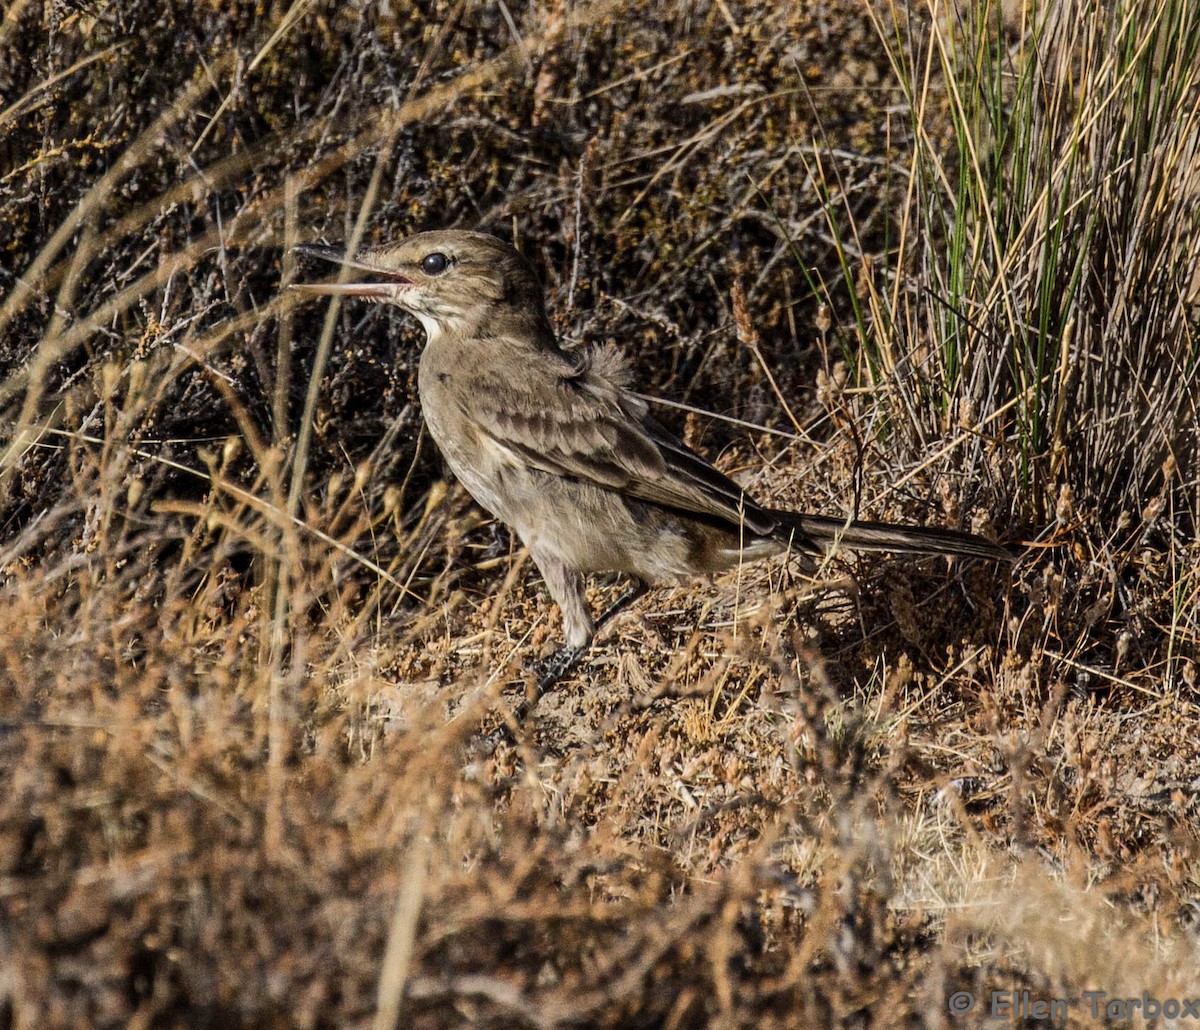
point(432, 327)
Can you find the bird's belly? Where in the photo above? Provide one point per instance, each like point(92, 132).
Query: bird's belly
point(598, 530)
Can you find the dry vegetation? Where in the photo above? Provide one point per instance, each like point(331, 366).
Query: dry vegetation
point(251, 636)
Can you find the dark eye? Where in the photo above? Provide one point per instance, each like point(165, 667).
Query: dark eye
point(435, 263)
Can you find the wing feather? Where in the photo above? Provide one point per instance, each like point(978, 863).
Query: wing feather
point(570, 419)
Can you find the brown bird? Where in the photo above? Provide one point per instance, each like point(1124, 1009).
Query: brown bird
point(555, 444)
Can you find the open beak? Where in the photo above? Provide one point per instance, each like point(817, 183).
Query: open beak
point(384, 290)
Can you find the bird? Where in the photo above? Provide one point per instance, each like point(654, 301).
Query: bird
point(555, 443)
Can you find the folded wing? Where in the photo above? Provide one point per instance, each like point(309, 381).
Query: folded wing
point(568, 419)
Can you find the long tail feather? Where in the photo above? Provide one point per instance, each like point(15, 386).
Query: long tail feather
point(821, 532)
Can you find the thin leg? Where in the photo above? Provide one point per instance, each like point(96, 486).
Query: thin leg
point(566, 587)
point(635, 590)
point(552, 669)
point(548, 672)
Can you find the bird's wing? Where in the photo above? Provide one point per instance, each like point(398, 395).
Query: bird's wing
point(563, 417)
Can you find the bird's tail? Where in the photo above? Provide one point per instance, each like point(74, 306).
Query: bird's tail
point(819, 532)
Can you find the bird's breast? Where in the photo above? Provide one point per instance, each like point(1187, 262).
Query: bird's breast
point(489, 471)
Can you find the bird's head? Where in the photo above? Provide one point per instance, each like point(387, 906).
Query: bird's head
point(452, 280)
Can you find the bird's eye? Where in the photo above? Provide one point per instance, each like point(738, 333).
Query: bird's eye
point(435, 263)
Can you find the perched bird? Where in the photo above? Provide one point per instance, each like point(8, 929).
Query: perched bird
point(555, 444)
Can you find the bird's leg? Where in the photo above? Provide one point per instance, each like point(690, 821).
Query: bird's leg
point(566, 587)
point(635, 590)
point(547, 672)
point(565, 659)
point(550, 670)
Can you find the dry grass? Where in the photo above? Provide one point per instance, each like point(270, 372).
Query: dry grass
point(252, 635)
